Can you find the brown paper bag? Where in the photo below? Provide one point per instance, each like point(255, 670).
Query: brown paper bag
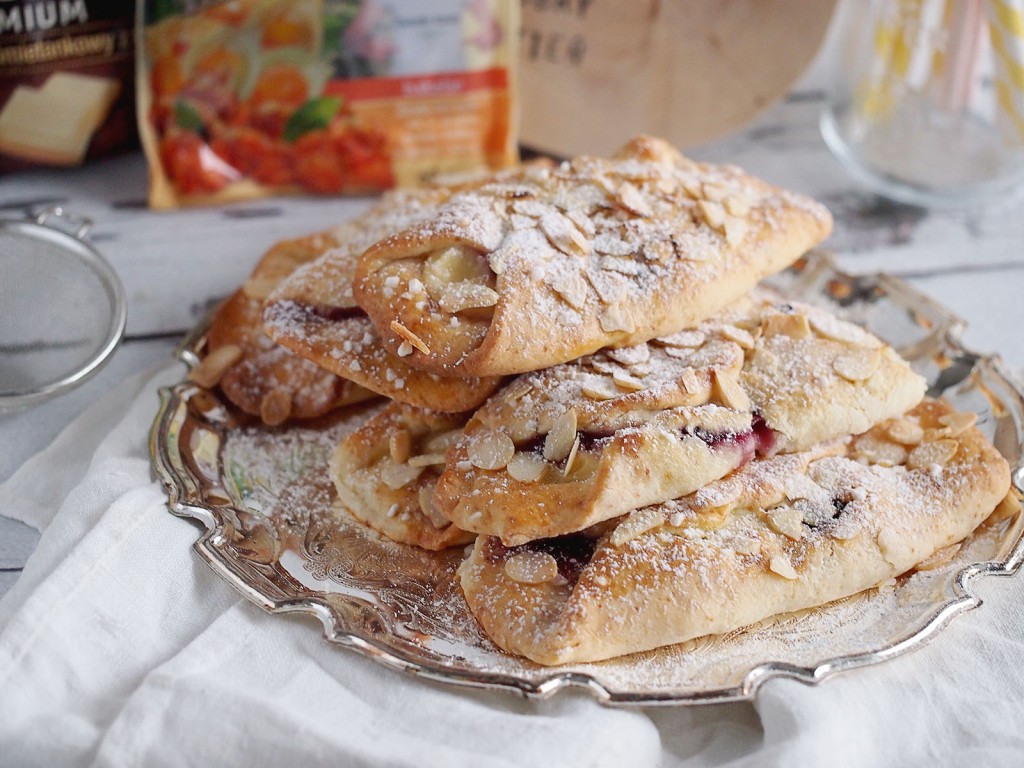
point(595, 72)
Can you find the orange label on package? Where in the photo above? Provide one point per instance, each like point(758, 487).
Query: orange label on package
point(249, 98)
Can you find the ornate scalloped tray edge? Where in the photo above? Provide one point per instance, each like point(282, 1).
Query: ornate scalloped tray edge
point(273, 531)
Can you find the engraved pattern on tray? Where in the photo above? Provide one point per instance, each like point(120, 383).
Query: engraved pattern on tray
point(272, 530)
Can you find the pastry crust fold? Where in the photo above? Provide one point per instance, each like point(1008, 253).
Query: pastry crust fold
point(386, 470)
point(640, 425)
point(546, 265)
point(799, 530)
point(313, 314)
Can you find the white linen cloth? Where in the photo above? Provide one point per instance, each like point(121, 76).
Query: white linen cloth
point(118, 646)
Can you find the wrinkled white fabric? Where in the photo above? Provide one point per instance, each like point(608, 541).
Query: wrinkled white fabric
point(118, 646)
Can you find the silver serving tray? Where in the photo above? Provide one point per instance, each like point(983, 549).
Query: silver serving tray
point(273, 532)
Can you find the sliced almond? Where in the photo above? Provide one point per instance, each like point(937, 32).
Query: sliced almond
point(937, 452)
point(857, 365)
point(410, 337)
point(531, 567)
point(787, 521)
point(727, 390)
point(439, 442)
point(781, 565)
point(659, 251)
point(905, 432)
point(434, 515)
point(560, 439)
point(427, 460)
point(831, 327)
point(735, 231)
point(571, 458)
point(746, 545)
point(785, 324)
point(878, 451)
point(736, 206)
point(613, 319)
point(958, 423)
point(400, 445)
point(396, 475)
point(570, 287)
point(562, 233)
point(738, 335)
point(639, 353)
point(490, 449)
point(276, 407)
point(683, 339)
point(632, 199)
point(720, 494)
point(211, 369)
point(458, 297)
point(599, 391)
point(526, 467)
point(713, 213)
point(638, 523)
point(627, 382)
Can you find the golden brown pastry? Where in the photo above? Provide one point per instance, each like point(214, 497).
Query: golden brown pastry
point(561, 449)
point(255, 374)
point(385, 473)
point(545, 265)
point(781, 534)
point(313, 314)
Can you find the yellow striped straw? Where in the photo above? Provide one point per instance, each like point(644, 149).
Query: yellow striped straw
point(893, 47)
point(1006, 31)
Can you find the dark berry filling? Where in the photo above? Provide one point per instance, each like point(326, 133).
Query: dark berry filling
point(571, 552)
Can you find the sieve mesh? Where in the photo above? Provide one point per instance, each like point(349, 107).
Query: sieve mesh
point(61, 311)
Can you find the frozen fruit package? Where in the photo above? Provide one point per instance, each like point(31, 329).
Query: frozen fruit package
point(241, 99)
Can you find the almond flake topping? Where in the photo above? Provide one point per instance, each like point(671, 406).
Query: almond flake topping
point(958, 423)
point(613, 319)
point(736, 206)
point(905, 432)
point(563, 234)
point(633, 200)
point(939, 452)
point(458, 297)
point(526, 467)
point(728, 391)
point(571, 458)
point(684, 339)
point(640, 353)
point(276, 406)
point(570, 287)
point(735, 231)
point(599, 391)
point(742, 337)
point(786, 521)
point(396, 475)
point(560, 439)
point(211, 369)
point(627, 382)
point(713, 213)
point(531, 567)
point(490, 449)
point(427, 460)
point(781, 565)
point(659, 251)
point(410, 337)
point(858, 364)
point(785, 324)
point(400, 446)
point(638, 523)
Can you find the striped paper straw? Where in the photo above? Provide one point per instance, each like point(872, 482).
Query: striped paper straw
point(1006, 31)
point(894, 47)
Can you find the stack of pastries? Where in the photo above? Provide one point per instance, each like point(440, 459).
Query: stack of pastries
point(585, 383)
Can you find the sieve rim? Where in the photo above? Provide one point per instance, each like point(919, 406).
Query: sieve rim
point(91, 258)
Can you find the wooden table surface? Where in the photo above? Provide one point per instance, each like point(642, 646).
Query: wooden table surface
point(176, 265)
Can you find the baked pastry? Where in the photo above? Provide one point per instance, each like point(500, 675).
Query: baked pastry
point(253, 372)
point(783, 533)
point(313, 313)
point(561, 449)
point(386, 470)
point(545, 265)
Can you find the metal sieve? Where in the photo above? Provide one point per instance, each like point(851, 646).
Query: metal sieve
point(62, 308)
